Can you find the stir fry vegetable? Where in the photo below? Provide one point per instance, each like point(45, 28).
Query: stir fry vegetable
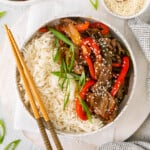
point(67, 41)
point(81, 109)
point(83, 26)
point(73, 33)
point(122, 75)
point(104, 29)
point(61, 37)
point(97, 62)
point(43, 30)
point(86, 52)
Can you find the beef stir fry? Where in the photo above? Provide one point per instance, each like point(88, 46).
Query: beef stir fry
point(89, 54)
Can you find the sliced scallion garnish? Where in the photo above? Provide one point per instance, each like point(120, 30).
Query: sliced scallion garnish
point(2, 13)
point(67, 76)
point(2, 131)
point(12, 145)
point(62, 37)
point(82, 80)
point(56, 73)
point(94, 3)
point(56, 56)
point(75, 76)
point(67, 94)
point(64, 66)
point(85, 108)
point(62, 83)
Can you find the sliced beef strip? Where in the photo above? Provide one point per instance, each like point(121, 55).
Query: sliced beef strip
point(117, 51)
point(117, 47)
point(112, 116)
point(103, 72)
point(105, 43)
point(93, 33)
point(103, 105)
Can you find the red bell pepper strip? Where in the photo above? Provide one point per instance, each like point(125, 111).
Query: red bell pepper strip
point(80, 112)
point(82, 26)
point(85, 45)
point(91, 67)
point(43, 29)
point(121, 77)
point(86, 87)
point(104, 29)
point(86, 55)
point(92, 44)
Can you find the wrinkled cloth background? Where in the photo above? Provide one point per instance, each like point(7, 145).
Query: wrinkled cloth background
point(141, 139)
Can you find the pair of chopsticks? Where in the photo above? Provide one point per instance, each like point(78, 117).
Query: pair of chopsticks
point(32, 92)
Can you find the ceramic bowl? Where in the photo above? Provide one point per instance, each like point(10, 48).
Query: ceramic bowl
point(94, 136)
point(141, 11)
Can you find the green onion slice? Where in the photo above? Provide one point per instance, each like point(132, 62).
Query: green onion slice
point(56, 56)
point(94, 3)
point(2, 13)
point(82, 80)
point(56, 73)
point(85, 108)
point(67, 94)
point(12, 145)
point(61, 36)
point(64, 66)
point(75, 76)
point(62, 84)
point(2, 131)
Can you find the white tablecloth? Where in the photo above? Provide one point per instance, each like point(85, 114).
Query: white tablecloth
point(7, 87)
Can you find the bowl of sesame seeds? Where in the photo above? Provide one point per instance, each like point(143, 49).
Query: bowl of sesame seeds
point(126, 9)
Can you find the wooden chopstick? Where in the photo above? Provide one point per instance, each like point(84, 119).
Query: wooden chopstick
point(31, 99)
point(29, 84)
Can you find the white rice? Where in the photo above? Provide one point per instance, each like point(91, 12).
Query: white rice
point(38, 54)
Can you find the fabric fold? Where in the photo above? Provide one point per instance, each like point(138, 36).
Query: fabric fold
point(141, 31)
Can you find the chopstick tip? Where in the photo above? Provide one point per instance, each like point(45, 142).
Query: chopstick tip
point(6, 27)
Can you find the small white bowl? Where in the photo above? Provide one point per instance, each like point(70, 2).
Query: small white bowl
point(147, 3)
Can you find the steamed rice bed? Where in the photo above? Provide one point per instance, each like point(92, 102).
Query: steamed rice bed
point(38, 54)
